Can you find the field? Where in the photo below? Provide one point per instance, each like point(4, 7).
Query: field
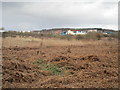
point(54, 63)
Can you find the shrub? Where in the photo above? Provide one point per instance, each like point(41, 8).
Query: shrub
point(93, 36)
point(49, 67)
point(67, 37)
point(105, 35)
point(114, 35)
point(79, 37)
point(49, 35)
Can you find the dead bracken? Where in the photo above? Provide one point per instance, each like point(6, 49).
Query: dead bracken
point(54, 66)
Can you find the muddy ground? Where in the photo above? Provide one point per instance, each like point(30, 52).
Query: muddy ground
point(82, 66)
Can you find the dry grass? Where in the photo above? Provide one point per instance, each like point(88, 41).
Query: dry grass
point(37, 42)
point(85, 64)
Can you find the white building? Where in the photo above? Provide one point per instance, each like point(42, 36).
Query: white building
point(76, 32)
point(81, 32)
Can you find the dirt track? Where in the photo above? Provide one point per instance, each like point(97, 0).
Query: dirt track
point(87, 66)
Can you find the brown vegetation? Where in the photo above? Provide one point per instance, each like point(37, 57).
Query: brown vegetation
point(54, 63)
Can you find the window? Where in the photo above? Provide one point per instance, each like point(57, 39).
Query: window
point(74, 31)
point(79, 31)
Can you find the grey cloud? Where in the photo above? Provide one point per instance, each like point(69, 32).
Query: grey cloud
point(28, 15)
point(0, 14)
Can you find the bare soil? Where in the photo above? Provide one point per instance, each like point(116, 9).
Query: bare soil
point(84, 66)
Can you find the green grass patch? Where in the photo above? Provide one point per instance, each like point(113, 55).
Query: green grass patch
point(49, 67)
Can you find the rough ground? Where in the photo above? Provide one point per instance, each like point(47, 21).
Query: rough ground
point(84, 66)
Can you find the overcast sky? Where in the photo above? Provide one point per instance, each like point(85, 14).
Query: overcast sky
point(56, 14)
